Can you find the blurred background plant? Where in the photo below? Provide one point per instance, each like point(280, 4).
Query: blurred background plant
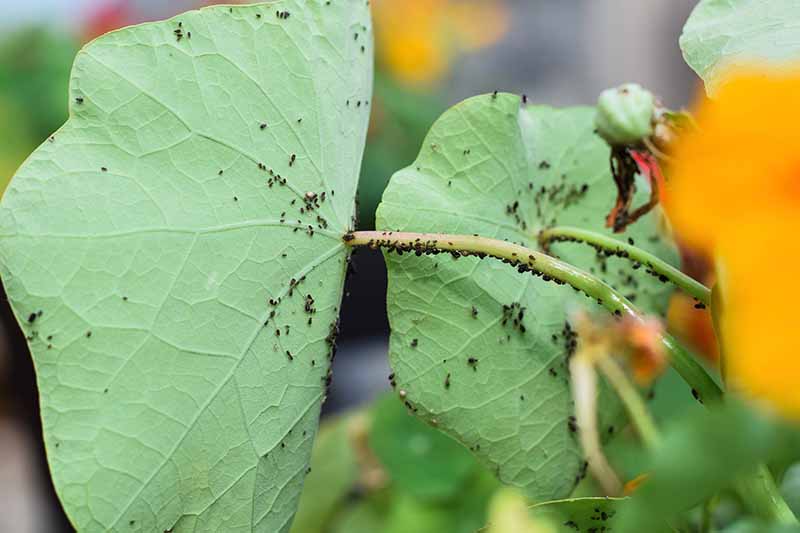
point(375, 468)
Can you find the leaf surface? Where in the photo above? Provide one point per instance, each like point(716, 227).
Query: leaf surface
point(142, 244)
point(475, 345)
point(721, 34)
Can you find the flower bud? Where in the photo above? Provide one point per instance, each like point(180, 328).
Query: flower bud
point(625, 114)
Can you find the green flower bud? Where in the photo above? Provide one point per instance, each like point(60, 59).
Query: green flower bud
point(625, 114)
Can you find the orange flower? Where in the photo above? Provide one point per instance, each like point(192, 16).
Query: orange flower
point(418, 39)
point(734, 191)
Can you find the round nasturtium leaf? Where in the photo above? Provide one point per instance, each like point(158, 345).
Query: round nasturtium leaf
point(723, 34)
point(173, 254)
point(476, 345)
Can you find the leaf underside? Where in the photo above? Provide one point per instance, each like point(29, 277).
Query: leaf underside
point(141, 246)
point(721, 34)
point(496, 167)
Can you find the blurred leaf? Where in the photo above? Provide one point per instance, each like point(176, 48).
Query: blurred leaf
point(580, 514)
point(752, 526)
point(142, 275)
point(409, 514)
point(368, 516)
point(700, 455)
point(420, 460)
point(509, 514)
point(34, 75)
point(334, 471)
point(723, 33)
point(790, 488)
point(496, 167)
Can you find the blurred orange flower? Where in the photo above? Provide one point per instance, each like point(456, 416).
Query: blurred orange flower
point(734, 191)
point(417, 40)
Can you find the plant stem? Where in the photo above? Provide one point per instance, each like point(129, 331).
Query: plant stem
point(760, 493)
point(652, 263)
point(584, 393)
point(549, 269)
point(632, 400)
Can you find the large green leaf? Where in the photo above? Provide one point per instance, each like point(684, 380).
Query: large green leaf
point(142, 245)
point(721, 34)
point(500, 169)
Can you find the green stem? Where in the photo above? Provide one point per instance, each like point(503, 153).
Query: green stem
point(549, 269)
point(632, 400)
point(760, 493)
point(653, 264)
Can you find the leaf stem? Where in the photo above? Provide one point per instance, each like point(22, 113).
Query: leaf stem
point(631, 399)
point(652, 263)
point(584, 393)
point(549, 269)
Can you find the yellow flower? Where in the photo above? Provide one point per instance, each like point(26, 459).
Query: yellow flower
point(418, 39)
point(734, 192)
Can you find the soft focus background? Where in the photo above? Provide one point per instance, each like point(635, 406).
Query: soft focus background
point(430, 55)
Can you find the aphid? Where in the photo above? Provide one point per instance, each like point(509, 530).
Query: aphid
point(572, 424)
point(88, 334)
point(263, 125)
point(79, 100)
point(104, 169)
point(414, 343)
point(473, 362)
point(494, 95)
point(292, 159)
point(447, 381)
point(289, 355)
point(32, 318)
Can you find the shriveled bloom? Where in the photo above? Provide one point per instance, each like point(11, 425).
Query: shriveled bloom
point(734, 192)
point(416, 40)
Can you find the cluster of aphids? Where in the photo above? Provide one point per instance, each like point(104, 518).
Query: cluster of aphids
point(514, 314)
point(282, 14)
point(559, 193)
point(179, 32)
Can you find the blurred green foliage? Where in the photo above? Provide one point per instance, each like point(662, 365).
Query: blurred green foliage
point(34, 74)
point(384, 471)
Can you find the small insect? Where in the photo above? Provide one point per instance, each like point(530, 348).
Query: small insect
point(292, 159)
point(473, 362)
point(447, 381)
point(263, 125)
point(104, 169)
point(79, 100)
point(414, 343)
